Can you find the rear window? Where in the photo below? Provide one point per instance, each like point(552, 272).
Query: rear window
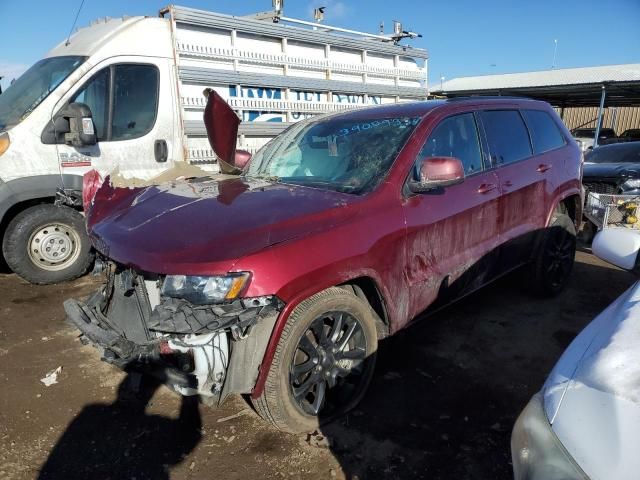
point(545, 134)
point(507, 136)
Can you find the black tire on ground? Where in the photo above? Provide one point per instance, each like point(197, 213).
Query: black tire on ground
point(588, 232)
point(277, 404)
point(47, 244)
point(550, 270)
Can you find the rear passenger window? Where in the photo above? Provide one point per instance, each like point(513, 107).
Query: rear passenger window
point(456, 136)
point(545, 134)
point(507, 136)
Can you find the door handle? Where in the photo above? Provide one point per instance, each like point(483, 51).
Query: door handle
point(508, 183)
point(486, 187)
point(161, 151)
point(543, 167)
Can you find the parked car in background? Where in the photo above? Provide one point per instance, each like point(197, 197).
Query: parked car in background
point(585, 136)
point(613, 169)
point(585, 422)
point(630, 135)
point(279, 282)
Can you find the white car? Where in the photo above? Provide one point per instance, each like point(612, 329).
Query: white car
point(585, 422)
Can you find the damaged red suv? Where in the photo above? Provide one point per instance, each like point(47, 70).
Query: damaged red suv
point(279, 282)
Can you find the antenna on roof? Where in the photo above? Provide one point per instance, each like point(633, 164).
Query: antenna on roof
point(318, 14)
point(74, 23)
point(555, 50)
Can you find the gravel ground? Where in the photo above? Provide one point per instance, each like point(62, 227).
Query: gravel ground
point(444, 398)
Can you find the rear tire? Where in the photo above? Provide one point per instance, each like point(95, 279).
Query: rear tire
point(47, 244)
point(341, 361)
point(552, 266)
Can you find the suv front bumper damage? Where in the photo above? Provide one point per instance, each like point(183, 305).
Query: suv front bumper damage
point(206, 350)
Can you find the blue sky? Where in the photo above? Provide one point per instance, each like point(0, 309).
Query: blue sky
point(464, 37)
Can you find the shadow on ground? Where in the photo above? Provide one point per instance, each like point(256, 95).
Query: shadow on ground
point(120, 441)
point(447, 391)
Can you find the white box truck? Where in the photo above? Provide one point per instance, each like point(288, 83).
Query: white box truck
point(142, 80)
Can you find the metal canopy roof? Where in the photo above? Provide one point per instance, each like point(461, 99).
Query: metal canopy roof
point(566, 87)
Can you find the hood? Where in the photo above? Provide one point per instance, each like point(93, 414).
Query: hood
point(186, 226)
point(222, 124)
point(611, 170)
point(592, 397)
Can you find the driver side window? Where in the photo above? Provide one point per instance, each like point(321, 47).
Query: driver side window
point(126, 107)
point(456, 136)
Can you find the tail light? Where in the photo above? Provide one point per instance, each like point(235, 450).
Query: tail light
point(91, 182)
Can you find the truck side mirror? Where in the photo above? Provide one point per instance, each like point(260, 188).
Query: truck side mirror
point(80, 131)
point(437, 172)
point(618, 246)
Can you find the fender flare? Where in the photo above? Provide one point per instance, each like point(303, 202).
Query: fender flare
point(34, 187)
point(290, 306)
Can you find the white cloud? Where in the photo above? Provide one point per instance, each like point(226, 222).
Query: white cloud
point(9, 71)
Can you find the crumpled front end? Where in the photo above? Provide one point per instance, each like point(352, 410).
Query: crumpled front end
point(208, 350)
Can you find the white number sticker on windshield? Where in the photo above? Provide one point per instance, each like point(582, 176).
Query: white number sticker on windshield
point(387, 122)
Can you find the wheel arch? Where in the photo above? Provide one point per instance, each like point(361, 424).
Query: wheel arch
point(22, 193)
point(572, 204)
point(364, 287)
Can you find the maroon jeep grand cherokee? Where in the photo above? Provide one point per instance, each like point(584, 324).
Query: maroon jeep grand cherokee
point(278, 282)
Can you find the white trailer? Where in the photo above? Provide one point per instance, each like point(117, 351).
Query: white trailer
point(142, 79)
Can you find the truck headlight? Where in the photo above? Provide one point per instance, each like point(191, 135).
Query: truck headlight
point(4, 142)
point(202, 290)
point(631, 184)
point(536, 451)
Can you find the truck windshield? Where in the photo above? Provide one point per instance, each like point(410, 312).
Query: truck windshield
point(28, 91)
point(342, 154)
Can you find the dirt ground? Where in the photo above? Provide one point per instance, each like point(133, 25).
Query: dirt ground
point(441, 406)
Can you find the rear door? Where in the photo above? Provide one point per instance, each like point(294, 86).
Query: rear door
point(522, 177)
point(451, 233)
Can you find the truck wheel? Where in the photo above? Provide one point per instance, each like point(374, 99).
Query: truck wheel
point(323, 362)
point(551, 268)
point(47, 244)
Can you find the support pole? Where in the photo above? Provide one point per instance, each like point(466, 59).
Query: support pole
point(600, 114)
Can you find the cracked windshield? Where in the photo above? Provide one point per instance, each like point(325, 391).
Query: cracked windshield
point(345, 155)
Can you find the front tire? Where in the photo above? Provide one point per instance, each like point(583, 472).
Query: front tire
point(323, 362)
point(47, 244)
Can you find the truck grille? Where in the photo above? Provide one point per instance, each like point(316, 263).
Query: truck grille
point(601, 187)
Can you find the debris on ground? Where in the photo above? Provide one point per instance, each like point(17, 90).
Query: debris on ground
point(235, 415)
point(51, 377)
point(318, 440)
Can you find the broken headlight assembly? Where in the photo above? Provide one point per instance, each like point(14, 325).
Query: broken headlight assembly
point(204, 290)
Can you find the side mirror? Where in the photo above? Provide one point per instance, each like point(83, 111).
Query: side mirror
point(80, 132)
point(618, 246)
point(241, 159)
point(437, 172)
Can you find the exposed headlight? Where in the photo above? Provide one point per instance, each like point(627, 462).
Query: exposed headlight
point(631, 184)
point(536, 451)
point(4, 142)
point(204, 290)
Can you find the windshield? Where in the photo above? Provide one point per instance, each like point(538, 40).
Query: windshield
point(28, 91)
point(342, 154)
point(620, 153)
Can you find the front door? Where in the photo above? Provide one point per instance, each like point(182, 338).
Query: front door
point(132, 111)
point(452, 232)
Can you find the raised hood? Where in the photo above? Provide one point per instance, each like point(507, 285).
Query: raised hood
point(187, 226)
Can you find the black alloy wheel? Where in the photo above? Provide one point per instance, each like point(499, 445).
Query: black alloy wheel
point(327, 366)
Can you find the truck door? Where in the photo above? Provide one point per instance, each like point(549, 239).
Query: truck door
point(451, 234)
point(134, 117)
